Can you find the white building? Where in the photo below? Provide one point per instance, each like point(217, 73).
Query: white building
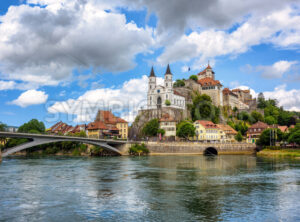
point(163, 96)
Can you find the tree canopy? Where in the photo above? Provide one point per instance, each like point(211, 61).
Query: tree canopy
point(33, 126)
point(194, 77)
point(151, 128)
point(179, 83)
point(264, 139)
point(185, 129)
point(202, 108)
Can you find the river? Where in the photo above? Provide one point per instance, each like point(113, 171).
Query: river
point(154, 188)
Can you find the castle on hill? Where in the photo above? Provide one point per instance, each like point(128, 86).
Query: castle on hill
point(170, 96)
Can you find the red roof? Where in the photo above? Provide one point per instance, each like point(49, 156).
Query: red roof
point(96, 125)
point(260, 125)
point(283, 128)
point(207, 124)
point(166, 118)
point(207, 81)
point(227, 91)
point(241, 90)
point(108, 117)
point(204, 71)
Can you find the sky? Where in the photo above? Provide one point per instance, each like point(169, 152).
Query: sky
point(65, 59)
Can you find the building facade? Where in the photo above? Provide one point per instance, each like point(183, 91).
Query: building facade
point(168, 124)
point(208, 131)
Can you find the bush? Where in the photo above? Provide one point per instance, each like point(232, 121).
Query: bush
point(138, 149)
point(167, 102)
point(76, 152)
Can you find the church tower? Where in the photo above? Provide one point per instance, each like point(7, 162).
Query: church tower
point(152, 80)
point(168, 79)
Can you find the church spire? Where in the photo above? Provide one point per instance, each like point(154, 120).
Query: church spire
point(168, 71)
point(152, 74)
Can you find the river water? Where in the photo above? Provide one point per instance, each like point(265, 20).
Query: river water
point(154, 188)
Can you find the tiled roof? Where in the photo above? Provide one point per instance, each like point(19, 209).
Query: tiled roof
point(96, 125)
point(227, 91)
point(108, 117)
point(209, 82)
point(207, 124)
point(283, 128)
point(227, 129)
point(259, 125)
point(204, 71)
point(241, 90)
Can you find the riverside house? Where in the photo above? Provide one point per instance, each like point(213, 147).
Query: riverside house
point(207, 131)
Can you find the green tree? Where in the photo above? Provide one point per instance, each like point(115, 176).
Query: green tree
point(241, 126)
point(270, 120)
point(295, 137)
point(161, 131)
point(238, 137)
point(202, 108)
point(185, 130)
point(264, 138)
point(33, 124)
point(167, 102)
point(151, 128)
point(257, 116)
point(2, 126)
point(194, 77)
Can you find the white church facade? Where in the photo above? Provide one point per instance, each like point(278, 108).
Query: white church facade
point(160, 96)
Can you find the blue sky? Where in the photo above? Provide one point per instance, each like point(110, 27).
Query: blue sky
point(63, 60)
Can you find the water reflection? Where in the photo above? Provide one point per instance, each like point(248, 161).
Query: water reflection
point(154, 188)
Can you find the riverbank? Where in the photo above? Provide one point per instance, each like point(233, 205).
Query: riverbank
point(280, 153)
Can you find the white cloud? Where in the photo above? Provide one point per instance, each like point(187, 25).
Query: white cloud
point(30, 97)
point(5, 85)
point(125, 101)
point(276, 70)
point(256, 30)
point(289, 99)
point(43, 45)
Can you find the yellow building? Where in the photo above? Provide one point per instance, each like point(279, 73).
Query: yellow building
point(207, 131)
point(123, 129)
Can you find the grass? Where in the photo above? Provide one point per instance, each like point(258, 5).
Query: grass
point(280, 153)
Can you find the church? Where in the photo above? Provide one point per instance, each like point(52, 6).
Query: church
point(161, 96)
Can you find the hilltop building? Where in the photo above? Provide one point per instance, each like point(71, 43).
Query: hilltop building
point(163, 96)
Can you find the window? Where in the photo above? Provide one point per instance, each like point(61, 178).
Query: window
point(158, 91)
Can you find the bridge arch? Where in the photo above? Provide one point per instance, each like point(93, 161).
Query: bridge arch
point(41, 141)
point(210, 151)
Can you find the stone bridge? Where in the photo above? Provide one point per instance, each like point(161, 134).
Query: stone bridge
point(115, 146)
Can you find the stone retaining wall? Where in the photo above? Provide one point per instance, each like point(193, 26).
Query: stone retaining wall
point(198, 148)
